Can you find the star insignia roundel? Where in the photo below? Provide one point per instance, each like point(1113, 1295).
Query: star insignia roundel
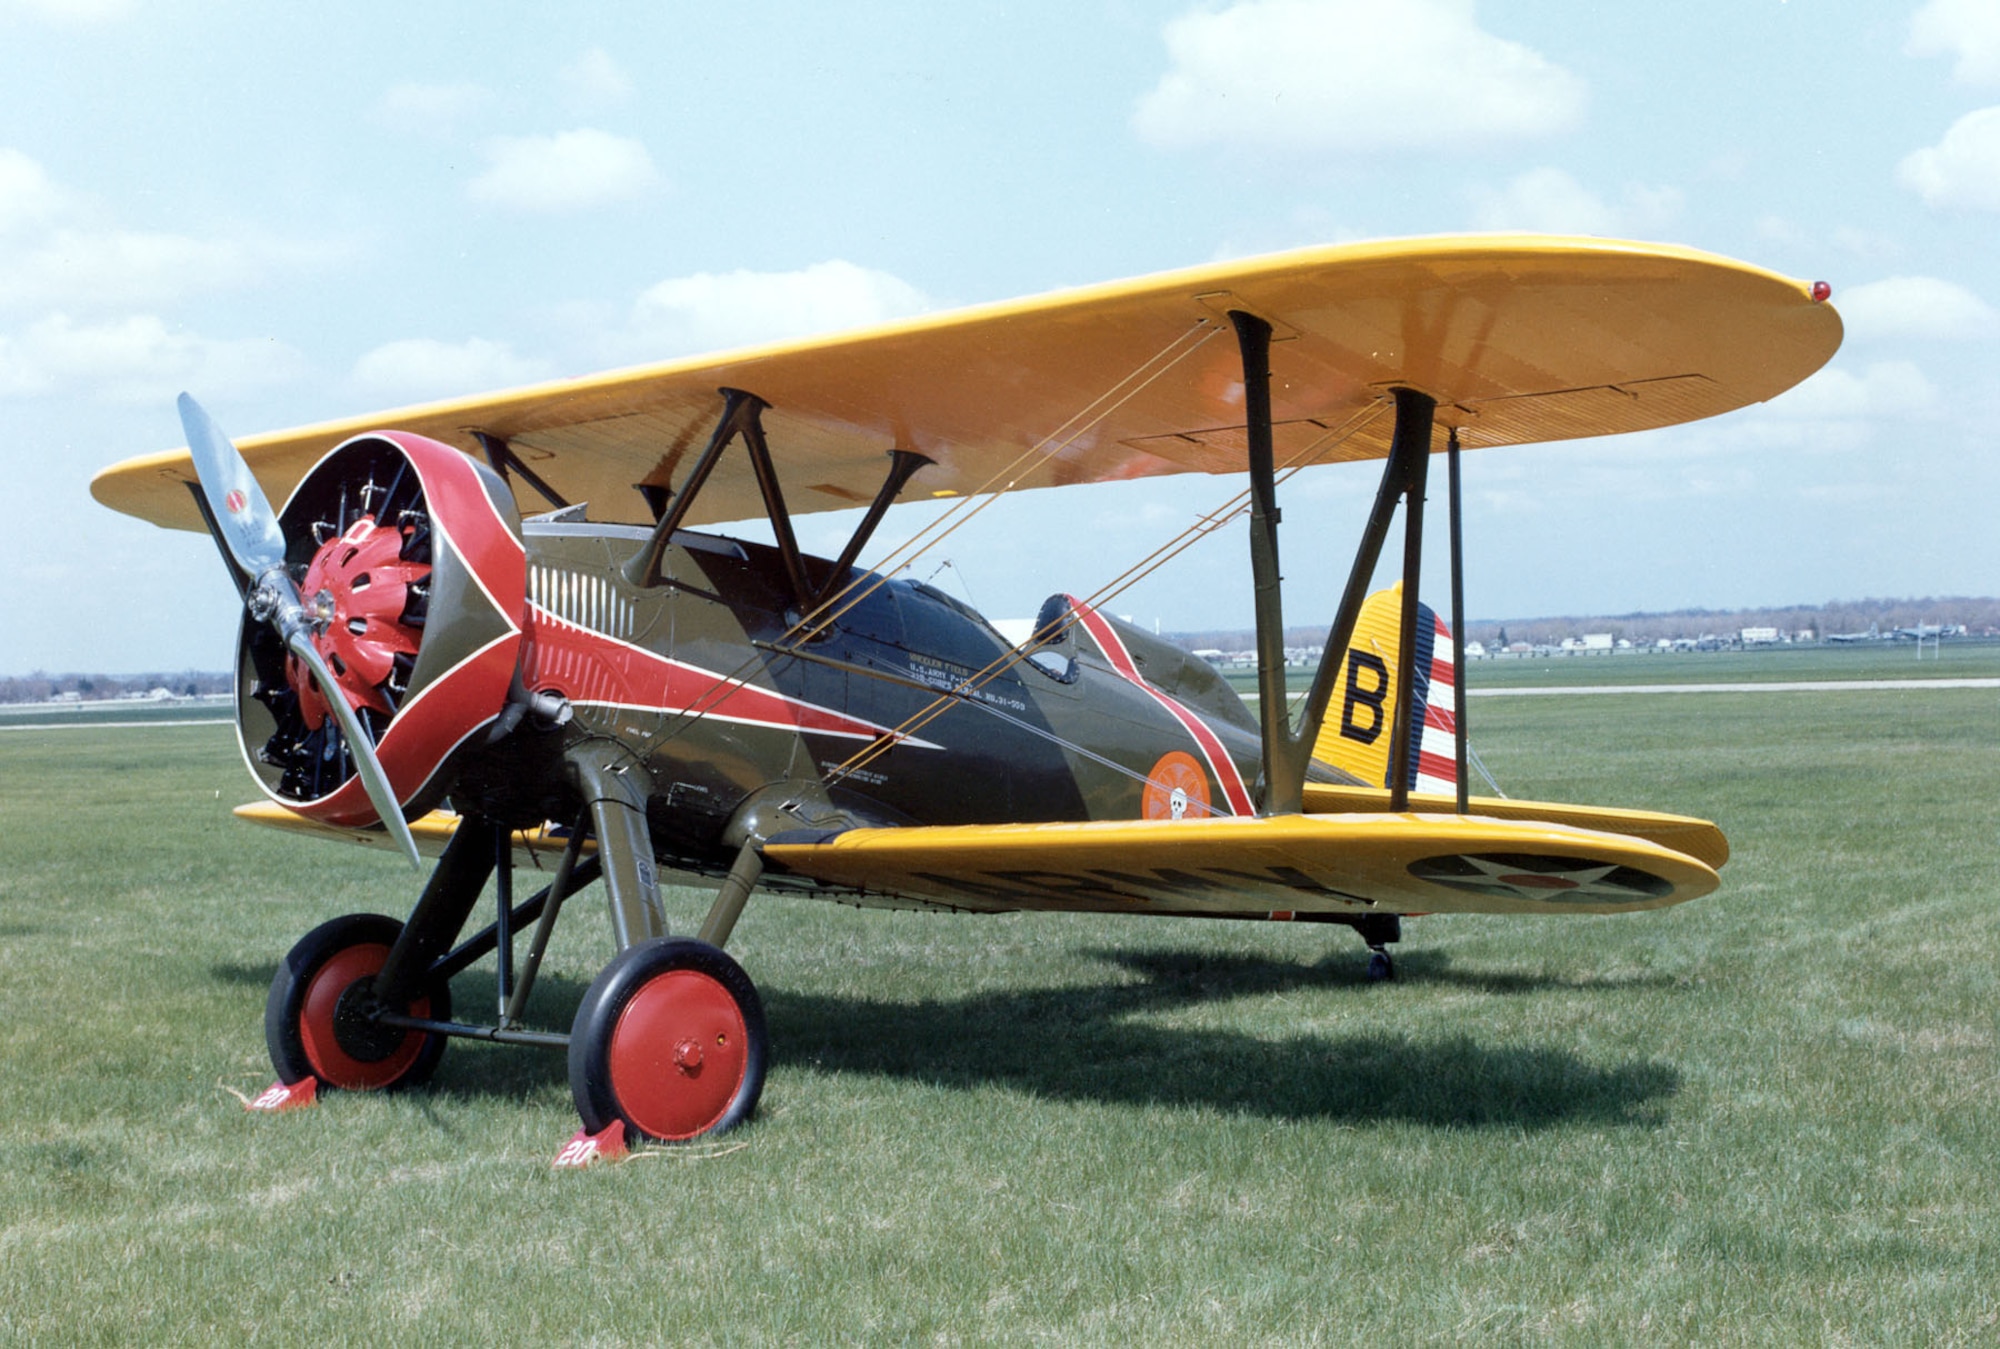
point(1547, 879)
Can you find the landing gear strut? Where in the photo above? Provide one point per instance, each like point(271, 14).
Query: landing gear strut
point(1378, 930)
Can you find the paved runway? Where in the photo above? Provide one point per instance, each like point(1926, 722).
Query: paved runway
point(1792, 686)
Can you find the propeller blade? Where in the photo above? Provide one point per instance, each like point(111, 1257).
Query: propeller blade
point(248, 528)
point(243, 516)
point(298, 640)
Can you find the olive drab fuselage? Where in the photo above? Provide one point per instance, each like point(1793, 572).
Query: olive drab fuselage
point(907, 707)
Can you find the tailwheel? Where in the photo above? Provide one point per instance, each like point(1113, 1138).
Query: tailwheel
point(317, 1020)
point(670, 1040)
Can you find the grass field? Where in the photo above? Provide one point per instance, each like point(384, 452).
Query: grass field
point(1960, 659)
point(1771, 1116)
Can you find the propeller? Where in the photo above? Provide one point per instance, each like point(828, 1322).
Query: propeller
point(248, 528)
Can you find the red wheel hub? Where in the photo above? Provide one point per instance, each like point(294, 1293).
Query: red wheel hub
point(678, 1054)
point(356, 590)
point(332, 1064)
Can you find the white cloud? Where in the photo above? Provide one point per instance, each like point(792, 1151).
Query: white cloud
point(710, 311)
point(429, 109)
point(594, 79)
point(419, 368)
point(570, 171)
point(1915, 306)
point(1966, 29)
point(57, 253)
point(1843, 408)
point(1549, 200)
point(28, 199)
point(1835, 394)
point(136, 360)
point(1858, 243)
point(1862, 243)
point(1351, 76)
point(112, 269)
point(83, 293)
point(1962, 170)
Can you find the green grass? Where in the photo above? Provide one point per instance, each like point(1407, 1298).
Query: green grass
point(15, 715)
point(1959, 659)
point(1770, 1116)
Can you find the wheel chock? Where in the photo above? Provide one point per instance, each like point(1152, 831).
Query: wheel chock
point(607, 1144)
point(287, 1095)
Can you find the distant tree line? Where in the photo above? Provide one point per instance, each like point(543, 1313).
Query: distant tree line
point(1979, 615)
point(41, 687)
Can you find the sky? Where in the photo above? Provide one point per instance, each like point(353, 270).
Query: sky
point(300, 212)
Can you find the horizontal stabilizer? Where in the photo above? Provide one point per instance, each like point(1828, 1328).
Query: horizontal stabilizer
point(1699, 839)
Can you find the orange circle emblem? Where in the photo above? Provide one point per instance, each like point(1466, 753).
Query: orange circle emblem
point(1177, 788)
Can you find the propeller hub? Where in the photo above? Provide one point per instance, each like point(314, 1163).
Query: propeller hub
point(360, 586)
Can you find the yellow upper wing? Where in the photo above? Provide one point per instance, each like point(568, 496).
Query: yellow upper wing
point(1520, 338)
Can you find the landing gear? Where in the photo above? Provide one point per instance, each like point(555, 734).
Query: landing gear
point(1378, 930)
point(668, 1044)
point(670, 1040)
point(318, 1020)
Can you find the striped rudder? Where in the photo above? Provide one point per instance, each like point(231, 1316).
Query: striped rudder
point(1355, 737)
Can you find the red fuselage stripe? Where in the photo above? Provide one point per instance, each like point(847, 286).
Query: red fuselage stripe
point(588, 667)
point(1219, 762)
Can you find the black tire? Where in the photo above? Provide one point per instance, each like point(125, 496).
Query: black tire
point(308, 1037)
point(670, 1039)
point(1381, 968)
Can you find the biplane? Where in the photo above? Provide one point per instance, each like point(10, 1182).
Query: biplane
point(506, 633)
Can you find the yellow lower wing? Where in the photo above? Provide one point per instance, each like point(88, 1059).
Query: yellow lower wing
point(1358, 863)
point(535, 849)
point(1347, 857)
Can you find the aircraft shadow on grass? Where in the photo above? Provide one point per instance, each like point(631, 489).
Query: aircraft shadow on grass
point(1093, 1043)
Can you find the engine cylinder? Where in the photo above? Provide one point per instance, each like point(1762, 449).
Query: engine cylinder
point(409, 561)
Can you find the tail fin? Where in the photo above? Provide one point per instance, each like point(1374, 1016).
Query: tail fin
point(1355, 737)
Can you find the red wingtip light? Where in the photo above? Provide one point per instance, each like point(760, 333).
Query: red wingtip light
point(1821, 292)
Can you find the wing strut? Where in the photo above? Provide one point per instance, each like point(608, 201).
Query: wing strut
point(903, 465)
point(743, 415)
point(1288, 751)
point(504, 461)
point(1404, 737)
point(739, 409)
point(1458, 732)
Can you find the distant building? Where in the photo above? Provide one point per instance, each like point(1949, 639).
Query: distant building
point(1759, 636)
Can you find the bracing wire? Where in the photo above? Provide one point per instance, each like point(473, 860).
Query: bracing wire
point(1203, 527)
point(1141, 377)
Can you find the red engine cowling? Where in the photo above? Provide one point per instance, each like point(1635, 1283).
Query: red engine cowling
point(409, 559)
